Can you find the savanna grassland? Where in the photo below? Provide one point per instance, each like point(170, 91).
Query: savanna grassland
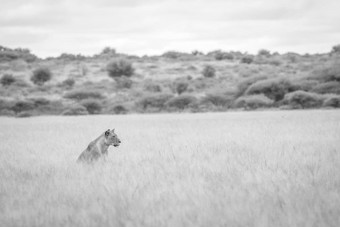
point(270, 168)
point(116, 83)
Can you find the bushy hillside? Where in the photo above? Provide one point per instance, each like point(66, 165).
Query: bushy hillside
point(113, 83)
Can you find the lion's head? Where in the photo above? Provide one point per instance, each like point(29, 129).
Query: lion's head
point(112, 138)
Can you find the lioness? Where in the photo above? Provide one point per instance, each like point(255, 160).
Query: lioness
point(98, 147)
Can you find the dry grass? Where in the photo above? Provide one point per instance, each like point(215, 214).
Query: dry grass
point(228, 169)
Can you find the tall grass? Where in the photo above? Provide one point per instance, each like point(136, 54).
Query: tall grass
point(225, 169)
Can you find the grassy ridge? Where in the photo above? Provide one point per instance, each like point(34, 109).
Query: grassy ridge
point(235, 169)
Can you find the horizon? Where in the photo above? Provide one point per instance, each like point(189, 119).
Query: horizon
point(153, 27)
point(159, 54)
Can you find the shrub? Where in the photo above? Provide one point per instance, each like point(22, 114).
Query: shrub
point(152, 87)
point(327, 88)
point(6, 112)
point(71, 57)
point(302, 99)
point(219, 55)
point(156, 101)
point(196, 53)
point(41, 75)
point(75, 110)
point(333, 101)
point(92, 106)
point(40, 101)
point(217, 99)
point(108, 51)
point(243, 85)
point(180, 86)
point(253, 101)
point(5, 104)
point(247, 59)
point(209, 71)
point(83, 94)
point(119, 109)
point(7, 79)
point(21, 83)
point(274, 89)
point(123, 82)
point(304, 85)
point(335, 49)
point(23, 105)
point(173, 54)
point(7, 54)
point(120, 67)
point(24, 114)
point(181, 102)
point(69, 83)
point(327, 73)
point(264, 52)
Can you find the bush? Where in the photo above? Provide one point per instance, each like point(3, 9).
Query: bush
point(173, 54)
point(119, 109)
point(217, 99)
point(243, 85)
point(21, 83)
point(75, 110)
point(247, 59)
point(253, 101)
point(23, 105)
point(327, 73)
point(219, 55)
point(123, 82)
point(82, 94)
point(5, 105)
point(24, 114)
point(6, 112)
point(41, 75)
point(333, 101)
point(7, 54)
point(40, 101)
point(263, 52)
point(327, 88)
point(180, 86)
point(7, 79)
point(304, 85)
point(196, 53)
point(92, 106)
point(302, 99)
point(120, 67)
point(274, 89)
point(69, 83)
point(152, 87)
point(108, 51)
point(209, 71)
point(156, 102)
point(335, 49)
point(181, 102)
point(71, 57)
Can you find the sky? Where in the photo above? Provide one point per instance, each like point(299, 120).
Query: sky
point(151, 27)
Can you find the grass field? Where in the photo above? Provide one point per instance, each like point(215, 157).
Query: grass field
point(275, 168)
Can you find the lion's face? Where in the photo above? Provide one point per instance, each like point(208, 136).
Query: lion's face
point(112, 138)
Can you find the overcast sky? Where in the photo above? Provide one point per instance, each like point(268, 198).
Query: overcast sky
point(52, 27)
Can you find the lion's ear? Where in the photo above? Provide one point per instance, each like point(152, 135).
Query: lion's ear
point(107, 132)
point(113, 130)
